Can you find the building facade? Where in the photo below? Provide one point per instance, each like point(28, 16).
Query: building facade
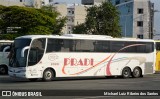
point(62, 9)
point(75, 14)
point(46, 2)
point(92, 2)
point(11, 3)
point(136, 18)
point(28, 3)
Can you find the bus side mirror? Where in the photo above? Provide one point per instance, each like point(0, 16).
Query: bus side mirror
point(23, 50)
point(6, 48)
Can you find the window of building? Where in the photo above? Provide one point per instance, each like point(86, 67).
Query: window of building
point(72, 12)
point(72, 20)
point(140, 36)
point(20, 0)
point(140, 23)
point(140, 11)
point(50, 0)
point(69, 11)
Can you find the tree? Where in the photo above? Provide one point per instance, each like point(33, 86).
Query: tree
point(30, 20)
point(80, 29)
point(101, 20)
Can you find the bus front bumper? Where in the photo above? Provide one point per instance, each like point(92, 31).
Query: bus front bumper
point(17, 74)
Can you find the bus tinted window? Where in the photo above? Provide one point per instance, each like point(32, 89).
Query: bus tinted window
point(131, 47)
point(157, 45)
point(36, 51)
point(59, 45)
point(18, 44)
point(83, 45)
point(149, 47)
point(102, 46)
point(117, 45)
point(66, 45)
point(54, 45)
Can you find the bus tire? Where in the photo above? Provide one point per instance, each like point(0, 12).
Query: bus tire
point(137, 72)
point(48, 75)
point(126, 72)
point(3, 69)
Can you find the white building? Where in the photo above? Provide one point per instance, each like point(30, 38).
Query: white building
point(46, 2)
point(28, 3)
point(92, 2)
point(75, 14)
point(11, 3)
point(62, 9)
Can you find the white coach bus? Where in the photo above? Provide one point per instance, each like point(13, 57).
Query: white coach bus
point(4, 52)
point(46, 57)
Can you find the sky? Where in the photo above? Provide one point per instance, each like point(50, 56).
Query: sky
point(156, 14)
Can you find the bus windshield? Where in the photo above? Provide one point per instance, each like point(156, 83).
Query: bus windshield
point(158, 46)
point(36, 51)
point(15, 55)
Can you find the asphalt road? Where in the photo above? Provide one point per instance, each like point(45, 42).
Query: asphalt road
point(148, 82)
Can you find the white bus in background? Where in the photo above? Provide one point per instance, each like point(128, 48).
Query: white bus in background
point(47, 57)
point(4, 52)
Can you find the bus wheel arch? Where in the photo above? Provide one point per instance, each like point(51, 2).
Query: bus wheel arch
point(137, 72)
point(3, 69)
point(126, 72)
point(48, 74)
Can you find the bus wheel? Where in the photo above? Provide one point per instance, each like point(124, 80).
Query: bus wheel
point(48, 75)
point(137, 72)
point(3, 70)
point(126, 72)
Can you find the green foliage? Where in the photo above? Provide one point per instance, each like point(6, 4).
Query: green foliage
point(31, 20)
point(80, 29)
point(8, 36)
point(101, 20)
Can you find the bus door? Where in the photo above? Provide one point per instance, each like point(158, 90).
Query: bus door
point(36, 53)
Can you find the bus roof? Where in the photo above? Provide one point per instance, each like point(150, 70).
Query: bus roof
point(6, 41)
point(157, 40)
point(87, 36)
point(83, 36)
